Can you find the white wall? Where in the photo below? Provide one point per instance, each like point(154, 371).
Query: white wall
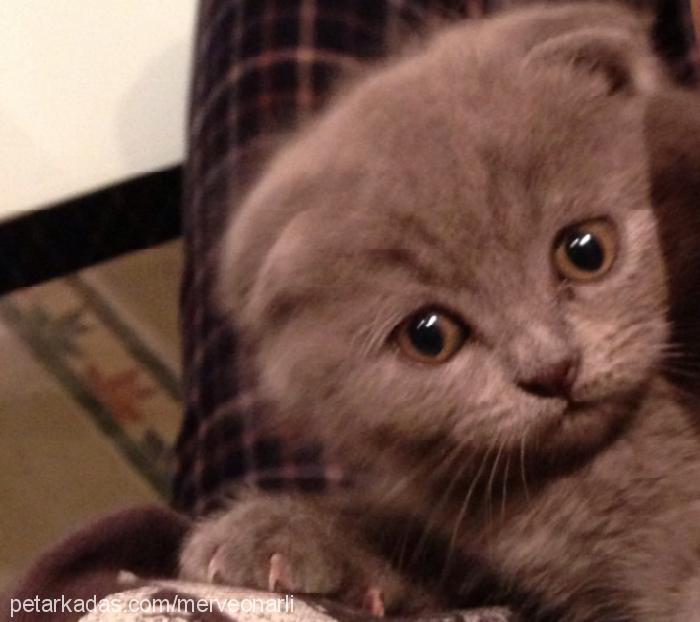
point(91, 91)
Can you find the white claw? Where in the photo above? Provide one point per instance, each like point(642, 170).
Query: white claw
point(215, 567)
point(279, 577)
point(373, 602)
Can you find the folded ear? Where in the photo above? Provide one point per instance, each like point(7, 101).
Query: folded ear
point(610, 60)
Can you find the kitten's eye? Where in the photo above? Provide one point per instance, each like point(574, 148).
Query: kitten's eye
point(431, 336)
point(586, 251)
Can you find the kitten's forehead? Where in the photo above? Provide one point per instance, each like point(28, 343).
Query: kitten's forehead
point(482, 182)
point(450, 147)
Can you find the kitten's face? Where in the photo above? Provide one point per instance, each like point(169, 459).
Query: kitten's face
point(447, 252)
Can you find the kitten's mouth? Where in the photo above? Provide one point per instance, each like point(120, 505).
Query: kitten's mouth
point(569, 407)
point(574, 407)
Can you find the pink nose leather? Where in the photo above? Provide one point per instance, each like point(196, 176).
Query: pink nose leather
point(551, 380)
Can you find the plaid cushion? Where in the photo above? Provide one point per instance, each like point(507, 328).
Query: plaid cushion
point(260, 65)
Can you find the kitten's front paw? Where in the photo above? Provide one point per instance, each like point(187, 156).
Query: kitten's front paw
point(282, 543)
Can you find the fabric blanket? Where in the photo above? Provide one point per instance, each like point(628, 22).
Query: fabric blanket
point(122, 568)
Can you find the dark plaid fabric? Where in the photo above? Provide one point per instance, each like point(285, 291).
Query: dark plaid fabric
point(260, 65)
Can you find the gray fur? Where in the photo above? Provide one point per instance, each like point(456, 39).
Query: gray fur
point(444, 178)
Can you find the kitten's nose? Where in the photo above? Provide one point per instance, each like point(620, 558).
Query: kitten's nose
point(551, 379)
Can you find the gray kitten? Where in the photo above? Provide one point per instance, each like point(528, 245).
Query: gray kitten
point(471, 279)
